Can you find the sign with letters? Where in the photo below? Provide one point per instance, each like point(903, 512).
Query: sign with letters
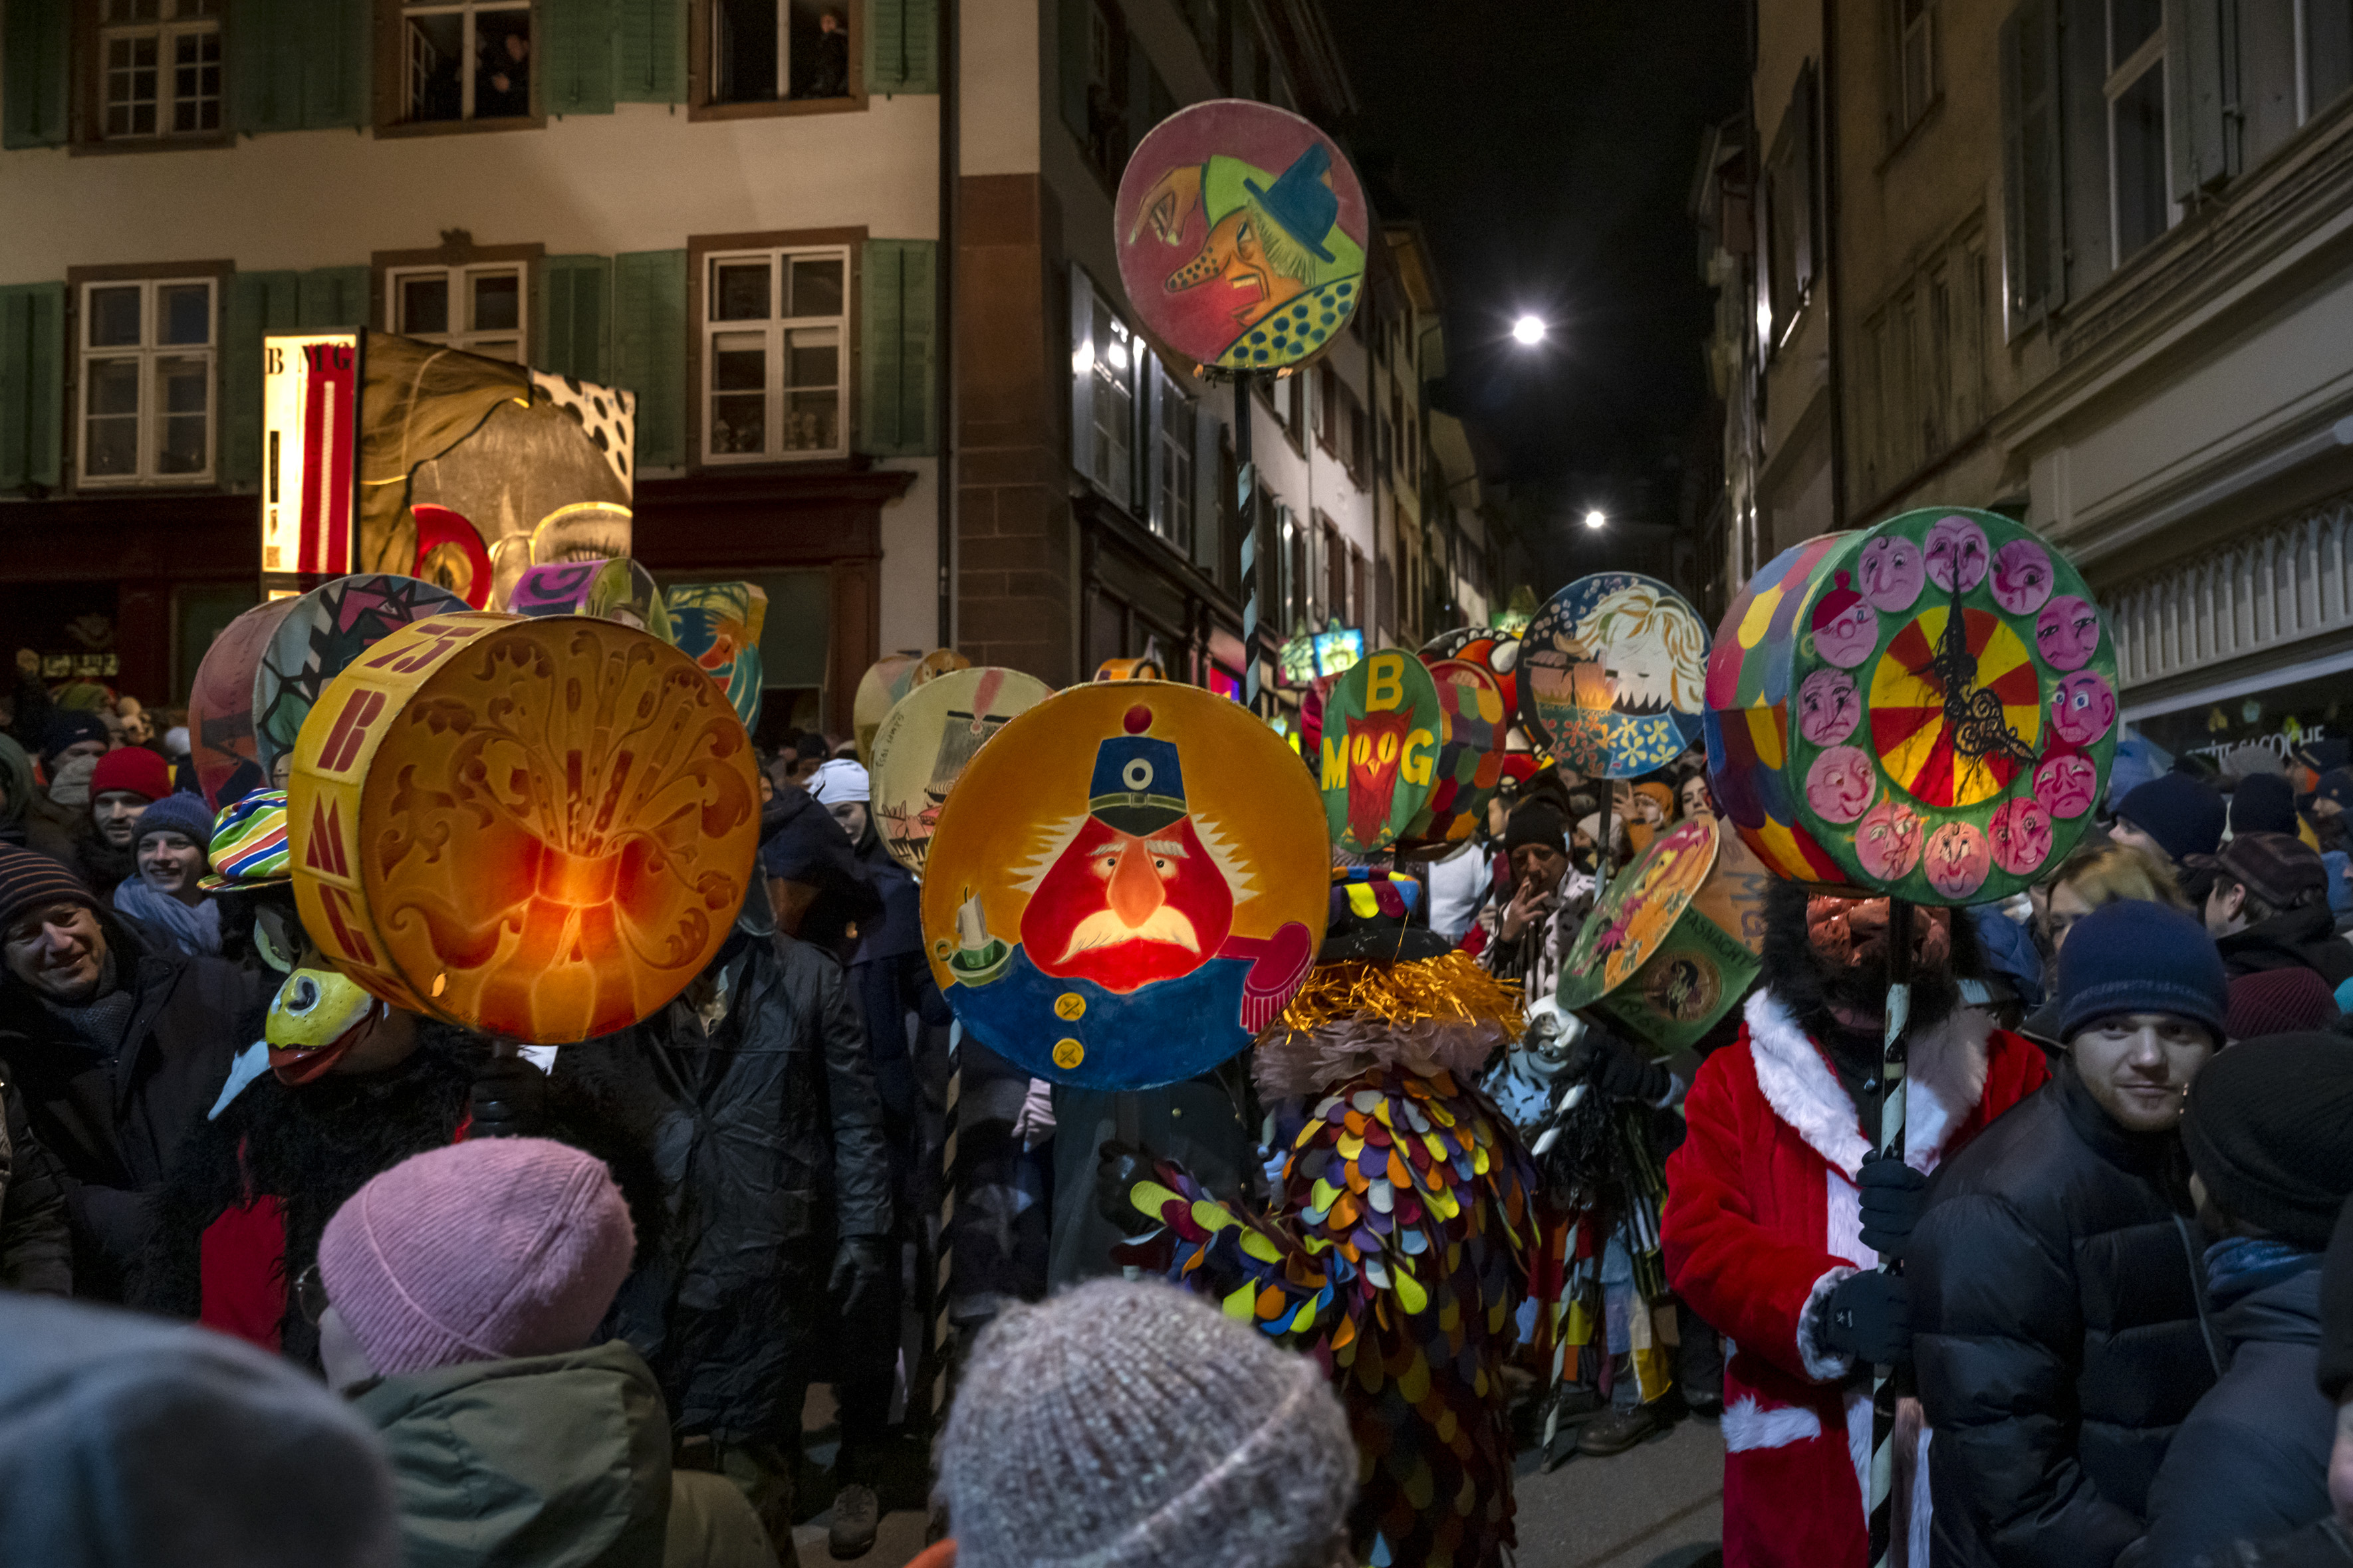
point(310, 457)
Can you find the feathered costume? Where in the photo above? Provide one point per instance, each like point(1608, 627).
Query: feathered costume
point(1403, 1234)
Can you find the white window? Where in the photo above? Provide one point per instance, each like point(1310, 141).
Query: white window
point(775, 327)
point(1172, 462)
point(477, 308)
point(467, 60)
point(762, 50)
point(2139, 183)
point(147, 382)
point(160, 68)
point(1110, 358)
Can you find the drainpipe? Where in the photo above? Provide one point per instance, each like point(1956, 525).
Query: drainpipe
point(944, 338)
point(1830, 268)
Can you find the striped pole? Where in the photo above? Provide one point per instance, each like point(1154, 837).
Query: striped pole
point(1246, 517)
point(1889, 1382)
point(941, 1328)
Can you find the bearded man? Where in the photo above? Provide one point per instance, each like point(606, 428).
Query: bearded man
point(1777, 1206)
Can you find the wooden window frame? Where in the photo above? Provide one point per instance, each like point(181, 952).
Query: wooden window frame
point(85, 112)
point(387, 66)
point(699, 73)
point(218, 274)
point(457, 249)
point(699, 248)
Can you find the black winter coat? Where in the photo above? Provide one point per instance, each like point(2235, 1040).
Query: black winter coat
point(2059, 1331)
point(35, 1243)
point(115, 1128)
point(2304, 938)
point(2252, 1461)
point(768, 1136)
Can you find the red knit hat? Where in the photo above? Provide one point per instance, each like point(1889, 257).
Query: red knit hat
point(132, 768)
point(481, 1251)
point(2278, 1002)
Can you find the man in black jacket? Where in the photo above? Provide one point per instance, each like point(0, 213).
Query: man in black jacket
point(2058, 1316)
point(119, 1046)
point(2269, 910)
point(2267, 1132)
point(769, 1132)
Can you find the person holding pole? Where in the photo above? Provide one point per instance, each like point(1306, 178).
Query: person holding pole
point(2061, 1329)
point(1779, 1206)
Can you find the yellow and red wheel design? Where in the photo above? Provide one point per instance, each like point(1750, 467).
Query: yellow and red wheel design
point(1939, 757)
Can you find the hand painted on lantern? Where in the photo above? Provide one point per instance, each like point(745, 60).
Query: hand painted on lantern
point(2020, 831)
point(2083, 708)
point(1891, 573)
point(1846, 628)
point(2067, 784)
point(2022, 576)
point(1957, 858)
point(1828, 706)
point(2067, 632)
point(1887, 841)
point(1840, 783)
point(1956, 554)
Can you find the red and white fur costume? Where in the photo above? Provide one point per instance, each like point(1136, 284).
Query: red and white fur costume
point(1762, 1221)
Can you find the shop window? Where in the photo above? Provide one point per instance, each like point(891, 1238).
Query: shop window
point(146, 374)
point(465, 60)
point(477, 308)
point(159, 68)
point(2141, 196)
point(775, 326)
point(763, 50)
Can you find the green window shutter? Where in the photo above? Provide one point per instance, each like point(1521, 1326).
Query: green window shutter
point(332, 297)
point(575, 324)
point(898, 308)
point(903, 40)
point(335, 62)
point(36, 44)
point(650, 350)
point(259, 302)
point(32, 385)
point(575, 57)
point(267, 45)
point(1073, 63)
point(649, 51)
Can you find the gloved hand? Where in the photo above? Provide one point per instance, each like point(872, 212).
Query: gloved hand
point(1616, 1068)
point(1869, 1317)
point(1034, 1122)
point(1119, 1169)
point(860, 1286)
point(1893, 1196)
point(508, 1098)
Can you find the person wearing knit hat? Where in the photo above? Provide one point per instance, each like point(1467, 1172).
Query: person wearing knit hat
point(1131, 1426)
point(2172, 816)
point(73, 733)
point(455, 1295)
point(1536, 923)
point(120, 786)
point(2056, 1319)
point(2279, 1002)
point(2263, 803)
point(2266, 1132)
point(2268, 909)
point(169, 842)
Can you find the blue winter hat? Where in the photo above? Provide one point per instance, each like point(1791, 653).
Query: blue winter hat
point(186, 815)
point(2183, 813)
point(2133, 956)
point(2264, 802)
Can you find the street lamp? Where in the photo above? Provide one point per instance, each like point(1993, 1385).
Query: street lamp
point(1528, 331)
point(1594, 519)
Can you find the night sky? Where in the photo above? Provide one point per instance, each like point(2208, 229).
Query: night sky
point(1548, 147)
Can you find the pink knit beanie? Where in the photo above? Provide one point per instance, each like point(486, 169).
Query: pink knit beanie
point(481, 1251)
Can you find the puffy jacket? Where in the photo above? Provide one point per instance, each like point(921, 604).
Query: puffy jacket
point(36, 1244)
point(560, 1461)
point(2252, 1461)
point(115, 1129)
point(2059, 1330)
point(2304, 938)
point(768, 1136)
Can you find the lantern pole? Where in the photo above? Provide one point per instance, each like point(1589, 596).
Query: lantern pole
point(1890, 1383)
point(1245, 518)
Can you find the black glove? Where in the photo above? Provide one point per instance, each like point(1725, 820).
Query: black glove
point(1893, 1196)
point(1119, 1169)
point(1617, 1068)
point(1869, 1317)
point(860, 1286)
point(508, 1098)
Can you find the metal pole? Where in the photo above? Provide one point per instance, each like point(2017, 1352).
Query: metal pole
point(1601, 849)
point(1246, 518)
point(1888, 1383)
point(942, 1330)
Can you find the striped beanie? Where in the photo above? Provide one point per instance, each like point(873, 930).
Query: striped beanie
point(30, 881)
point(249, 847)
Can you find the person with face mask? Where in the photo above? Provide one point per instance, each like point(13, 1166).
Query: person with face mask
point(2060, 1327)
point(117, 1042)
point(169, 842)
point(1779, 1208)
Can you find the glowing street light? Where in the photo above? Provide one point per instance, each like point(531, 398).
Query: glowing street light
point(1528, 331)
point(1594, 519)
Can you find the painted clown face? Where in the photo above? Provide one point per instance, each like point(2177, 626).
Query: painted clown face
point(2083, 708)
point(1125, 910)
point(1840, 783)
point(1956, 554)
point(1891, 573)
point(2064, 785)
point(2022, 576)
point(1957, 858)
point(1827, 707)
point(2022, 836)
point(1888, 841)
point(2067, 632)
point(1846, 628)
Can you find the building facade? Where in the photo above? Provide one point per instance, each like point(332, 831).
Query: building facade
point(2089, 263)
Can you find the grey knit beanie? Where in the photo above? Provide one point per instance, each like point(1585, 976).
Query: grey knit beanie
point(1131, 1426)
